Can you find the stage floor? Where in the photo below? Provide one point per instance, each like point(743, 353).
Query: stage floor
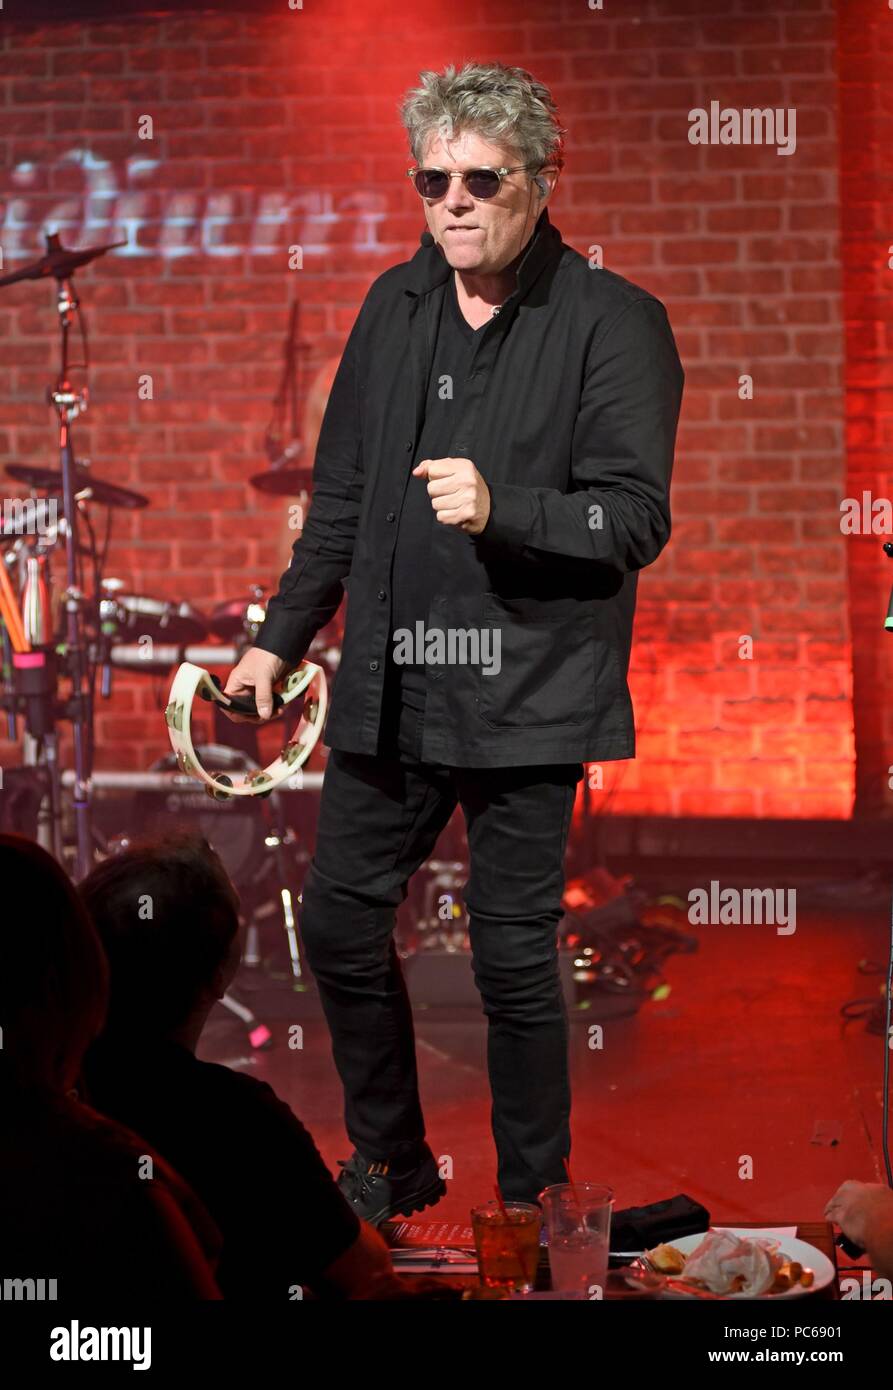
point(746, 1058)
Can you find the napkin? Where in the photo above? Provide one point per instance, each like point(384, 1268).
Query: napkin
point(722, 1256)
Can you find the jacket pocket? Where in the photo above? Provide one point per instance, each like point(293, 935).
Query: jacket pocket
point(546, 666)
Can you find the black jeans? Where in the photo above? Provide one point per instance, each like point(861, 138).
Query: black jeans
point(379, 820)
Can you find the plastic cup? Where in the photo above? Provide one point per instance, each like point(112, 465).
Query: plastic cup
point(578, 1223)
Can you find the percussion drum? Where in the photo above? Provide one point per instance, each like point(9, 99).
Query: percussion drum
point(128, 617)
point(234, 620)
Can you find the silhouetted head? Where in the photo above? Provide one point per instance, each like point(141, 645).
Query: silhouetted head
point(53, 973)
point(168, 917)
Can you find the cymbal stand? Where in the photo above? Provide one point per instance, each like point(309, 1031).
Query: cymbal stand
point(70, 403)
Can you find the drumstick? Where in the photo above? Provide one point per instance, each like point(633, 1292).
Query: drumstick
point(11, 614)
point(7, 626)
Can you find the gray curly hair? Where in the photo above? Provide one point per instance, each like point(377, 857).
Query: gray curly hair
point(504, 105)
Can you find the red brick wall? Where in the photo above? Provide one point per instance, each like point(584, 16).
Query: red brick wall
point(866, 142)
point(259, 117)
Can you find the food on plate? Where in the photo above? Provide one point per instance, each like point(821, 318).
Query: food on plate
point(666, 1259)
point(727, 1264)
point(791, 1273)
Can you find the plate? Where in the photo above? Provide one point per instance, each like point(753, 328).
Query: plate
point(792, 1249)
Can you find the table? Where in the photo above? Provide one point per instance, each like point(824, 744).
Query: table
point(817, 1233)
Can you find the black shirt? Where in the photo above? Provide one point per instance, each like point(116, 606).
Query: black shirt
point(243, 1151)
point(412, 577)
point(570, 414)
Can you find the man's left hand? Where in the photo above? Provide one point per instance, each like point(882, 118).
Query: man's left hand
point(458, 493)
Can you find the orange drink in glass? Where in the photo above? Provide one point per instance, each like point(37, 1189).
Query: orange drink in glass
point(508, 1251)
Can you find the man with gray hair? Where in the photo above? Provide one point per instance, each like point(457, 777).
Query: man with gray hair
point(495, 456)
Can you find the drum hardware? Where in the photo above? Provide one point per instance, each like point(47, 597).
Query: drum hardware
point(109, 779)
point(161, 656)
point(441, 922)
point(279, 838)
point(87, 487)
point(55, 531)
point(433, 919)
point(31, 685)
point(124, 615)
point(284, 482)
point(236, 621)
point(258, 1033)
point(58, 261)
point(25, 792)
point(285, 478)
point(67, 633)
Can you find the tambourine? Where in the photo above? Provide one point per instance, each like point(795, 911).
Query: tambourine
point(307, 680)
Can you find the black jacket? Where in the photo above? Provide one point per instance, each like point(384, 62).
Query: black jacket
point(569, 412)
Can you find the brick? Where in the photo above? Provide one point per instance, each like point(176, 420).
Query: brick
point(741, 245)
point(719, 803)
point(831, 805)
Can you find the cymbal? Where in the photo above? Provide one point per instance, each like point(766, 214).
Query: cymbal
point(58, 261)
point(283, 482)
point(50, 480)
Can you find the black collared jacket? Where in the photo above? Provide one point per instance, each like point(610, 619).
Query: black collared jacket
point(569, 412)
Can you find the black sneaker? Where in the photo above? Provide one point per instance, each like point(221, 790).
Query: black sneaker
point(376, 1192)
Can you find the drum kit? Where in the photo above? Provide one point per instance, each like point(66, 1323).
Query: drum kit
point(67, 627)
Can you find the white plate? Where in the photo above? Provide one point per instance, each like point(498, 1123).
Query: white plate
point(792, 1249)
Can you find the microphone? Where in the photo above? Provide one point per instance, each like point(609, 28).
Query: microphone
point(426, 239)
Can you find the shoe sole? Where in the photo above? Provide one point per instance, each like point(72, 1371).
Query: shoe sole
point(418, 1201)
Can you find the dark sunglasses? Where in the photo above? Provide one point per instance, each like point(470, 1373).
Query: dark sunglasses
point(481, 183)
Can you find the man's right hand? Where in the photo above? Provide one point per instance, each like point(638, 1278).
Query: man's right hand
point(256, 674)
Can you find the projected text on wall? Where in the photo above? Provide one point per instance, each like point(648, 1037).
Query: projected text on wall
point(121, 201)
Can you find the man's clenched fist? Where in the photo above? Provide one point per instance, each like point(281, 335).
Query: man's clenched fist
point(256, 674)
point(458, 493)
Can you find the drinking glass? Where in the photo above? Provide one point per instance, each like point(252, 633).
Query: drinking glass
point(508, 1251)
point(578, 1223)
